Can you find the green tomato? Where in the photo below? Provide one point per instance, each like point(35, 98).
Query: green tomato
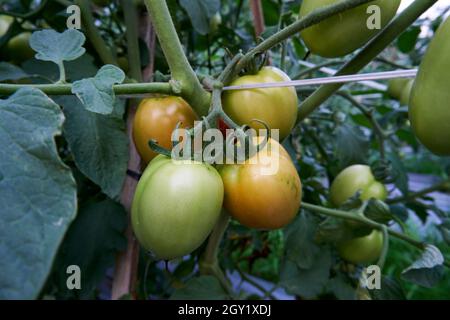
point(176, 206)
point(342, 34)
point(215, 22)
point(364, 249)
point(277, 107)
point(353, 179)
point(406, 93)
point(5, 22)
point(19, 48)
point(395, 87)
point(429, 107)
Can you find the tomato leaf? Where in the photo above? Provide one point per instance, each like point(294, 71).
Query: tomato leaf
point(399, 172)
point(342, 288)
point(390, 289)
point(200, 12)
point(58, 47)
point(201, 288)
point(99, 144)
point(9, 71)
point(37, 192)
point(91, 243)
point(97, 94)
point(406, 42)
point(428, 270)
point(351, 145)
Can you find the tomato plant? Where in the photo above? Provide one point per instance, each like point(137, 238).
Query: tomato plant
point(343, 34)
point(265, 192)
point(277, 107)
point(166, 113)
point(180, 200)
point(364, 249)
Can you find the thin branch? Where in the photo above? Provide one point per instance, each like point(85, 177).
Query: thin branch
point(258, 16)
point(441, 186)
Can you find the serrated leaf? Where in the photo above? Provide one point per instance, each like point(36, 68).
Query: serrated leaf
point(97, 94)
point(300, 246)
point(342, 288)
point(9, 71)
point(390, 289)
point(351, 145)
point(37, 192)
point(428, 270)
point(91, 243)
point(199, 12)
point(51, 45)
point(307, 283)
point(99, 145)
point(201, 288)
point(399, 172)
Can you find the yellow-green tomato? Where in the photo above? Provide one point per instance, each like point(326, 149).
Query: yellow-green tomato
point(277, 107)
point(395, 87)
point(176, 206)
point(353, 179)
point(406, 93)
point(429, 105)
point(344, 33)
point(364, 249)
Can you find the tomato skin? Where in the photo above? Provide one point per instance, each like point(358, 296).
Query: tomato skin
point(353, 179)
point(277, 107)
point(176, 206)
point(395, 87)
point(364, 249)
point(342, 34)
point(406, 93)
point(429, 105)
point(156, 118)
point(258, 199)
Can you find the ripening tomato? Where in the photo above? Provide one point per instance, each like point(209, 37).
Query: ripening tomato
point(277, 107)
point(353, 179)
point(364, 249)
point(343, 33)
point(429, 105)
point(156, 118)
point(265, 191)
point(176, 206)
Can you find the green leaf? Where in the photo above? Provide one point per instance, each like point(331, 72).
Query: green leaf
point(201, 288)
point(300, 246)
point(99, 145)
point(351, 145)
point(97, 93)
point(9, 71)
point(58, 47)
point(406, 42)
point(341, 288)
point(390, 289)
point(91, 243)
point(200, 12)
point(444, 228)
point(307, 283)
point(399, 172)
point(428, 270)
point(37, 192)
point(378, 211)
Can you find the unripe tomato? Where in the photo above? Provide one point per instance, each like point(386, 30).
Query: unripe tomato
point(406, 93)
point(19, 48)
point(265, 191)
point(353, 179)
point(365, 249)
point(215, 22)
point(429, 107)
point(395, 87)
point(345, 32)
point(156, 118)
point(123, 64)
point(277, 107)
point(175, 207)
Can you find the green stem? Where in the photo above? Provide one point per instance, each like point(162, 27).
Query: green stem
point(385, 248)
point(443, 185)
point(367, 54)
point(131, 21)
point(315, 17)
point(93, 35)
point(66, 89)
point(192, 90)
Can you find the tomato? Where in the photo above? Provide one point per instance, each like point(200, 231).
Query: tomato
point(175, 207)
point(215, 22)
point(123, 64)
point(5, 22)
point(156, 118)
point(19, 47)
point(265, 191)
point(353, 179)
point(429, 107)
point(342, 34)
point(406, 93)
point(395, 87)
point(277, 107)
point(364, 249)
